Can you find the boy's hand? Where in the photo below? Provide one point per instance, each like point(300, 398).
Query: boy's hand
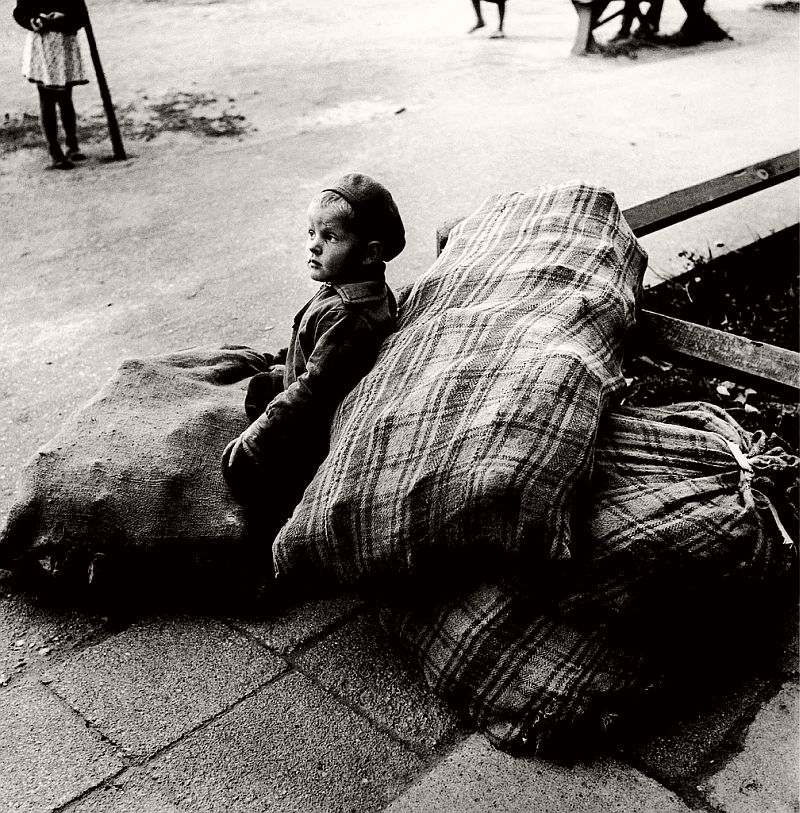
point(37, 24)
point(238, 453)
point(240, 464)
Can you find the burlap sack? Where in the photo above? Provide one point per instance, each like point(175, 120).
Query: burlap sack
point(673, 513)
point(464, 444)
point(137, 468)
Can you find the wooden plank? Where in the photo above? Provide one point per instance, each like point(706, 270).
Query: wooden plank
point(729, 352)
point(694, 200)
point(443, 232)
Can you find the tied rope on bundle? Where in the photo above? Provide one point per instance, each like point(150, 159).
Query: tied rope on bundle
point(759, 468)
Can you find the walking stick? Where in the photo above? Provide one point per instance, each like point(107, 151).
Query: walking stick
point(113, 128)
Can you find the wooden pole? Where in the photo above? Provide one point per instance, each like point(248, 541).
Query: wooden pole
point(108, 106)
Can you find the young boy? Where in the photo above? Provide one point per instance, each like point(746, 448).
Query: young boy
point(354, 229)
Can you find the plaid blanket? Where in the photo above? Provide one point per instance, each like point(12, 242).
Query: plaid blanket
point(678, 503)
point(467, 439)
point(670, 513)
point(520, 672)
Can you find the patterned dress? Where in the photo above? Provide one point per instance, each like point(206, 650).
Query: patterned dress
point(53, 59)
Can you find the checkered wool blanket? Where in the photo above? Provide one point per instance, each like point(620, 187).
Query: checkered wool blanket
point(674, 510)
point(464, 445)
point(520, 672)
point(678, 498)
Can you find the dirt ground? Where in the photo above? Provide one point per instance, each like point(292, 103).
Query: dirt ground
point(234, 112)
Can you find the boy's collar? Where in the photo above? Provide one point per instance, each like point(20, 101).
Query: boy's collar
point(354, 291)
point(370, 288)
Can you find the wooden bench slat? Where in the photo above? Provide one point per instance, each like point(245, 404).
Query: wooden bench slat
point(668, 336)
point(694, 200)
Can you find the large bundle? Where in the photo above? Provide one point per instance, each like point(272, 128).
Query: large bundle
point(465, 443)
point(137, 468)
point(679, 501)
point(673, 511)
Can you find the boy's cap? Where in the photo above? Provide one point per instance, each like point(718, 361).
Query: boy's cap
point(375, 208)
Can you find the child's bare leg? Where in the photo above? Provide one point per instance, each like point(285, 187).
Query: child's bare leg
point(47, 113)
point(501, 10)
point(476, 4)
point(70, 124)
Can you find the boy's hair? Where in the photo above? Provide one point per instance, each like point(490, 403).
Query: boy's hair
point(327, 199)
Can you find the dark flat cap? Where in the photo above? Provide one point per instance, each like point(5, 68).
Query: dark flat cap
point(375, 211)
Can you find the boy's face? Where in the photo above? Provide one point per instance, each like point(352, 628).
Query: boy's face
point(335, 254)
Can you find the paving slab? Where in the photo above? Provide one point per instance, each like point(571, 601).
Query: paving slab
point(150, 684)
point(765, 776)
point(33, 636)
point(722, 670)
point(301, 623)
point(47, 756)
point(357, 662)
point(476, 778)
point(133, 791)
point(683, 749)
point(288, 747)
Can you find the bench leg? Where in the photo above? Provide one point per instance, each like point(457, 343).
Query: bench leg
point(653, 16)
point(585, 20)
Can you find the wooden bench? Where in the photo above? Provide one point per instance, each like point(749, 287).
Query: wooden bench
point(697, 27)
point(666, 337)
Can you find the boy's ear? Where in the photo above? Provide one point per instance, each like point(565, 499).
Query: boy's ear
point(372, 252)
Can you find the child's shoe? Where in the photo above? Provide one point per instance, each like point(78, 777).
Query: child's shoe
point(75, 155)
point(62, 163)
point(263, 387)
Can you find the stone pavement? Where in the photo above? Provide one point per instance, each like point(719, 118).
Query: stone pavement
point(310, 710)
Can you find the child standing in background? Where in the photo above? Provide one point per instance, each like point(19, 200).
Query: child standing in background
point(52, 60)
point(480, 23)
